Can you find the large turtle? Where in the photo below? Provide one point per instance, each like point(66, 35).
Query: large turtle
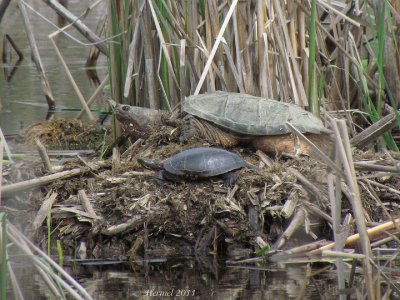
point(196, 163)
point(227, 119)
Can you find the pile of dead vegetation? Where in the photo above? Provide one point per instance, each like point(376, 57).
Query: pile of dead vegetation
point(116, 208)
point(66, 134)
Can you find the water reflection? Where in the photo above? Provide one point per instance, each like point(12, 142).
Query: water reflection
point(21, 100)
point(196, 281)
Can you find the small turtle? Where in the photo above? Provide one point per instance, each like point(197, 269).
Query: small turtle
point(197, 163)
point(227, 119)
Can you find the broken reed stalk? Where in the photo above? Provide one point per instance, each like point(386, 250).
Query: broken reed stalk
point(4, 146)
point(215, 47)
point(296, 223)
point(9, 40)
point(70, 77)
point(3, 251)
point(44, 210)
point(163, 43)
point(116, 160)
point(131, 60)
point(374, 231)
point(344, 150)
point(334, 189)
point(36, 56)
point(78, 24)
point(166, 101)
point(24, 185)
point(375, 131)
point(94, 96)
point(44, 156)
point(87, 206)
point(182, 72)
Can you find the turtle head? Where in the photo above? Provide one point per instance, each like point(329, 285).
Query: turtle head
point(137, 116)
point(152, 164)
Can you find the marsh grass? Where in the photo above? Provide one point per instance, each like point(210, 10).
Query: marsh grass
point(3, 256)
point(56, 281)
point(314, 54)
point(312, 80)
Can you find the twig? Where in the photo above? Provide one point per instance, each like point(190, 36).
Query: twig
point(343, 16)
point(24, 185)
point(297, 221)
point(360, 165)
point(44, 210)
point(36, 55)
point(8, 39)
point(135, 221)
point(162, 42)
point(374, 131)
point(78, 24)
point(87, 206)
point(264, 158)
point(71, 78)
point(382, 186)
point(371, 232)
point(44, 156)
point(4, 146)
point(93, 98)
point(215, 47)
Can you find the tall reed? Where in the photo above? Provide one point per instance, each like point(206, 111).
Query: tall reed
point(307, 52)
point(3, 256)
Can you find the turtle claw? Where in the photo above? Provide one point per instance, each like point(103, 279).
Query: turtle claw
point(229, 179)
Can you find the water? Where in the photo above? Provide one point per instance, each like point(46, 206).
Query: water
point(189, 279)
point(21, 100)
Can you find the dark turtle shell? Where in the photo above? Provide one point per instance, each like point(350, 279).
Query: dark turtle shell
point(203, 162)
point(251, 115)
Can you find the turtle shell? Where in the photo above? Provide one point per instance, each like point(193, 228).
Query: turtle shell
point(251, 115)
point(203, 162)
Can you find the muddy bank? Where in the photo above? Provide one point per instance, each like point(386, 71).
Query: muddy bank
point(116, 208)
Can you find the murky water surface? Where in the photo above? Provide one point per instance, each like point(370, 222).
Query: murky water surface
point(188, 279)
point(22, 100)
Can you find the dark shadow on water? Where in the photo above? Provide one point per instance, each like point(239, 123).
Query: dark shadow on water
point(186, 278)
point(194, 279)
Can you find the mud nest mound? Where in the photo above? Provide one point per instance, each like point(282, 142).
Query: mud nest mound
point(65, 134)
point(123, 211)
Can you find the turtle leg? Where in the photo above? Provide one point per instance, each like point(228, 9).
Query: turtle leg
point(229, 179)
point(201, 128)
point(163, 176)
point(160, 177)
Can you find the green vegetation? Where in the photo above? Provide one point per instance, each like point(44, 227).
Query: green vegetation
point(3, 256)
